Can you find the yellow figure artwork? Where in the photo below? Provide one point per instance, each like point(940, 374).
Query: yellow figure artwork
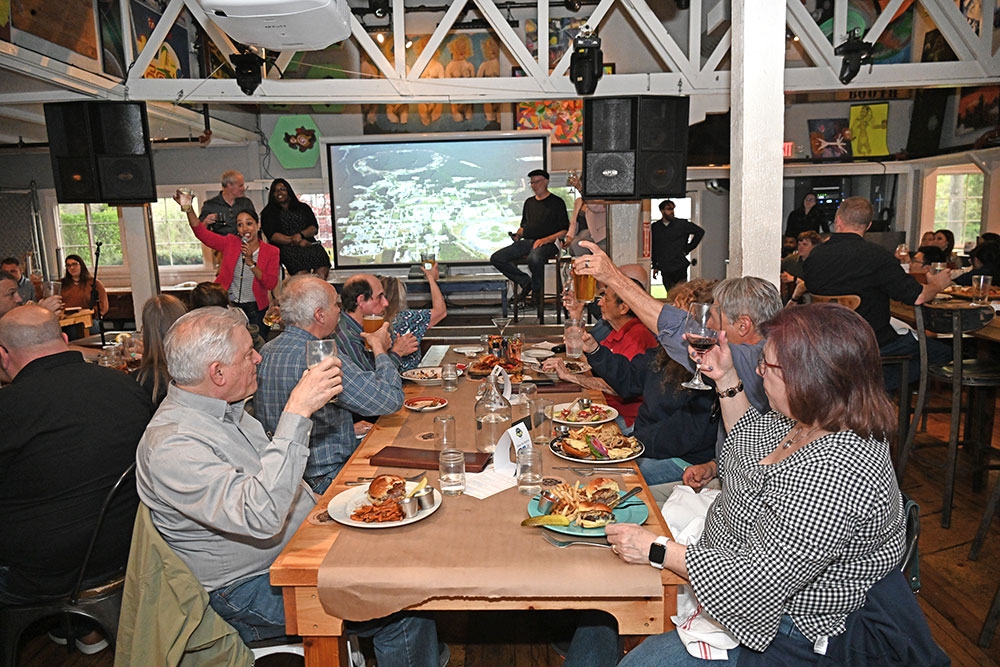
point(490, 67)
point(869, 124)
point(429, 113)
point(460, 68)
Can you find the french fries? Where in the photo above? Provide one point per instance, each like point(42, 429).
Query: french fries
point(389, 511)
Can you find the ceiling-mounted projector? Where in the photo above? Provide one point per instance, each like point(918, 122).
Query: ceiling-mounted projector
point(299, 25)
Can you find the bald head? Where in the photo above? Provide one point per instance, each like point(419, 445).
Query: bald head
point(28, 333)
point(637, 273)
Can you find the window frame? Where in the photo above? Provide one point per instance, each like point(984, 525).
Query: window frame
point(105, 271)
point(963, 171)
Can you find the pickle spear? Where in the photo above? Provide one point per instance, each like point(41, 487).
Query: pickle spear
point(547, 520)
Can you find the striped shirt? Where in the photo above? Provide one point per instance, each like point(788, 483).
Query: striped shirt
point(806, 536)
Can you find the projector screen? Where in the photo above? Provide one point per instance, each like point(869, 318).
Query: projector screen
point(456, 196)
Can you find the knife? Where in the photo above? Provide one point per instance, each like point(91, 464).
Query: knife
point(634, 491)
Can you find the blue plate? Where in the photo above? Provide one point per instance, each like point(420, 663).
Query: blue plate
point(632, 511)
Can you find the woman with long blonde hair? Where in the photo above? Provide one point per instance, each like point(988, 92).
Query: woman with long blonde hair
point(158, 314)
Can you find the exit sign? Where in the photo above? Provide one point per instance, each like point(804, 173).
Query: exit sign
point(787, 148)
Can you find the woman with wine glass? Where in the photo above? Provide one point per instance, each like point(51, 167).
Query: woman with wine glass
point(810, 519)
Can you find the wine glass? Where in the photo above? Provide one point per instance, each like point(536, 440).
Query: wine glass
point(317, 351)
point(702, 337)
point(501, 323)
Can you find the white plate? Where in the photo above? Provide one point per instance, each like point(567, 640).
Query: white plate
point(344, 503)
point(432, 403)
point(562, 406)
point(413, 375)
point(468, 349)
point(537, 354)
point(556, 449)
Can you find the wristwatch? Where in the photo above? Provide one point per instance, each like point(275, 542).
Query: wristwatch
point(658, 551)
point(732, 391)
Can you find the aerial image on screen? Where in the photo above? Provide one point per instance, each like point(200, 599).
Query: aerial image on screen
point(456, 199)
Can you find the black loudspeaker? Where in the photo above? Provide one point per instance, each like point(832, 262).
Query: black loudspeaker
point(100, 152)
point(635, 147)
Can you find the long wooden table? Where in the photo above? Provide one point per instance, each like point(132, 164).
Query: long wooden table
point(990, 332)
point(296, 569)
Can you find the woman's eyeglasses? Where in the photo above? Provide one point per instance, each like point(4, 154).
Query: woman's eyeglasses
point(763, 365)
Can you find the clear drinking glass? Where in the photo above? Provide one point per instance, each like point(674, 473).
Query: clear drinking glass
point(449, 377)
point(317, 351)
point(451, 466)
point(184, 197)
point(529, 471)
point(445, 435)
point(981, 290)
point(51, 288)
point(702, 337)
point(574, 338)
point(541, 420)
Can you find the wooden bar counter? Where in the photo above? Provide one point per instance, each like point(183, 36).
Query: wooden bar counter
point(297, 568)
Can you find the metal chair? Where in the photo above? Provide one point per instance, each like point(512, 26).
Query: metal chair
point(101, 604)
point(559, 260)
point(955, 319)
point(910, 564)
point(990, 624)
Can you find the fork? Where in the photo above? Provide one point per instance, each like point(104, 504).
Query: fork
point(362, 480)
point(562, 544)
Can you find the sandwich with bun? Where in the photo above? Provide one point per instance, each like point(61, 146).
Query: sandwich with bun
point(601, 490)
point(593, 515)
point(386, 488)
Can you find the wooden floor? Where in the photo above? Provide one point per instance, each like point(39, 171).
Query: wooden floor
point(955, 597)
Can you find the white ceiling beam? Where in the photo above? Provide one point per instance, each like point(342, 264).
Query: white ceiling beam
point(138, 67)
point(125, 13)
point(839, 22)
point(663, 44)
point(23, 115)
point(960, 36)
point(694, 34)
point(440, 32)
point(721, 49)
point(594, 21)
point(882, 22)
point(41, 97)
point(33, 64)
point(280, 63)
point(515, 45)
point(815, 43)
point(903, 75)
point(399, 37)
point(382, 63)
point(986, 36)
point(542, 35)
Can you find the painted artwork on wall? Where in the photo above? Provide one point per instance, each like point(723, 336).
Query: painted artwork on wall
point(295, 141)
point(172, 61)
point(869, 129)
point(5, 20)
point(562, 32)
point(461, 55)
point(829, 138)
point(71, 25)
point(563, 118)
point(978, 109)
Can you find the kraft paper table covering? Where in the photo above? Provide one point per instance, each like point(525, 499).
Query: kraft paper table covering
point(468, 548)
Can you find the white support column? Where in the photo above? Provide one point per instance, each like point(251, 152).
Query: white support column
point(140, 248)
point(757, 129)
point(991, 197)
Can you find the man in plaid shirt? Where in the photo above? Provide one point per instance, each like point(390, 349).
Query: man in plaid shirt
point(310, 310)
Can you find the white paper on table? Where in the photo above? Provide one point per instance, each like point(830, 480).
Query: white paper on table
point(487, 483)
point(545, 345)
point(514, 439)
point(504, 377)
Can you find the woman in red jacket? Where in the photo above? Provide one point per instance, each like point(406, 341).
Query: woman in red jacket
point(249, 267)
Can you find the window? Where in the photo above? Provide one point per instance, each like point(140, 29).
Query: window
point(82, 225)
point(176, 245)
point(958, 206)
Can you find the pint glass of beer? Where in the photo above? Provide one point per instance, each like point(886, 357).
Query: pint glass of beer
point(372, 323)
point(428, 260)
point(584, 287)
point(185, 196)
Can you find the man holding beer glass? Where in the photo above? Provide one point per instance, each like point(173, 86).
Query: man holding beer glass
point(364, 303)
point(543, 221)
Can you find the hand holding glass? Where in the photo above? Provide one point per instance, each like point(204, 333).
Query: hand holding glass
point(702, 337)
point(318, 350)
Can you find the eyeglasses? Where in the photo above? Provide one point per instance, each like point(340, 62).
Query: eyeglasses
point(763, 365)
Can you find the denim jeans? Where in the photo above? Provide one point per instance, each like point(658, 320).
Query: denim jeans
point(321, 483)
point(504, 260)
point(595, 642)
point(256, 609)
point(668, 649)
point(938, 354)
point(660, 471)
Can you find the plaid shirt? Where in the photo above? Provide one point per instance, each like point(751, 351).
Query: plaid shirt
point(352, 345)
point(332, 441)
point(807, 536)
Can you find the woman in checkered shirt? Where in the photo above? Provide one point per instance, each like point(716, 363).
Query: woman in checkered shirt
point(810, 515)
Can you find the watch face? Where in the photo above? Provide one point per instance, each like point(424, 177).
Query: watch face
point(657, 552)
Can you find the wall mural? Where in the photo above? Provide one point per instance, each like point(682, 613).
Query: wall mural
point(869, 129)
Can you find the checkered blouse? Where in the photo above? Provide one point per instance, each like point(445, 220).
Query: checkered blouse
point(807, 536)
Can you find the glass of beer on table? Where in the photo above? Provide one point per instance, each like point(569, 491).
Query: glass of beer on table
point(372, 323)
point(584, 287)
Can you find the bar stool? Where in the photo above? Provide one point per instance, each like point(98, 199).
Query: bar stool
point(559, 260)
point(956, 319)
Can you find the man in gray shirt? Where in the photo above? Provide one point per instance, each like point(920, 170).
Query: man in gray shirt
point(228, 204)
point(226, 497)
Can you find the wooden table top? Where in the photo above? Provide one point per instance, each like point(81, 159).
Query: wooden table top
point(990, 332)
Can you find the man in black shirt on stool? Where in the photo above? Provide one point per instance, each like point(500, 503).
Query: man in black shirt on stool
point(848, 264)
point(673, 239)
point(543, 221)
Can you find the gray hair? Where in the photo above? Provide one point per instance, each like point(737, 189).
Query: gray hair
point(300, 297)
point(31, 326)
point(229, 177)
point(200, 338)
point(754, 297)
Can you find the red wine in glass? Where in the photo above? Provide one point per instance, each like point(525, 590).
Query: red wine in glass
point(703, 343)
point(702, 337)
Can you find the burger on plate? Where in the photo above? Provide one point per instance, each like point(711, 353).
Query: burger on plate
point(601, 490)
point(385, 488)
point(569, 449)
point(594, 515)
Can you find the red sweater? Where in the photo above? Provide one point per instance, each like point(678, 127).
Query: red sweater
point(632, 339)
point(231, 248)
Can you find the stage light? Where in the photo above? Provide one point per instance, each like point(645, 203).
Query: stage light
point(248, 74)
point(572, 5)
point(379, 7)
point(586, 65)
point(856, 53)
point(683, 4)
point(380, 38)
